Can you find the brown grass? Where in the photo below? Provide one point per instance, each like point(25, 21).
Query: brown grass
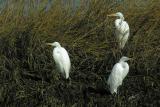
point(27, 71)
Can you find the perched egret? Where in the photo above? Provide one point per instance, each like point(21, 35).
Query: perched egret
point(119, 72)
point(122, 29)
point(61, 59)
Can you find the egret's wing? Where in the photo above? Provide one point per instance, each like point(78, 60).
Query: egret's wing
point(125, 27)
point(58, 59)
point(65, 58)
point(125, 71)
point(124, 39)
point(62, 60)
point(115, 78)
point(121, 26)
point(122, 32)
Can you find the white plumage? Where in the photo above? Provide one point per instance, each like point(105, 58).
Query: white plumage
point(119, 72)
point(61, 59)
point(122, 29)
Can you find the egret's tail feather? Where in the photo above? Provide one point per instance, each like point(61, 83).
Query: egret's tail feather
point(67, 75)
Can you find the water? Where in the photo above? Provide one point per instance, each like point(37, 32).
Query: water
point(46, 7)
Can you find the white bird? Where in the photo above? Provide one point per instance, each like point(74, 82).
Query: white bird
point(122, 29)
point(61, 59)
point(119, 72)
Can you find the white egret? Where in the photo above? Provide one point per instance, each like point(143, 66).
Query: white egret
point(119, 72)
point(61, 59)
point(122, 29)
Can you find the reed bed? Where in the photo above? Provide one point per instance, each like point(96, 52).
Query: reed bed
point(28, 76)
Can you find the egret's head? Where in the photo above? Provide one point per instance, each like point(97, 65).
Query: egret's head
point(124, 58)
point(54, 44)
point(118, 14)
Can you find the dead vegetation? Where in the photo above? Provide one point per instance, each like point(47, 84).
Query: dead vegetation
point(28, 76)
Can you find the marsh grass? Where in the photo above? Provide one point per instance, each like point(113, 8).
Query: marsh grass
point(28, 75)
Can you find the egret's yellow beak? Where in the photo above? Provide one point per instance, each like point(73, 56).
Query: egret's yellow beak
point(49, 44)
point(131, 59)
point(112, 15)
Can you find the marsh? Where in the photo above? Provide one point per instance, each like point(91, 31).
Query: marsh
point(28, 75)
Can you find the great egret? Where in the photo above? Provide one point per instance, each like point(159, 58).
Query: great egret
point(119, 72)
point(122, 29)
point(61, 59)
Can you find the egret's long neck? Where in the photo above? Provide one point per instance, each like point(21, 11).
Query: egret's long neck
point(124, 64)
point(121, 18)
point(58, 45)
point(122, 60)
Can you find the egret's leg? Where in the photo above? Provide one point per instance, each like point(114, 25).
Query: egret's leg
point(70, 82)
point(114, 96)
point(67, 82)
point(118, 99)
